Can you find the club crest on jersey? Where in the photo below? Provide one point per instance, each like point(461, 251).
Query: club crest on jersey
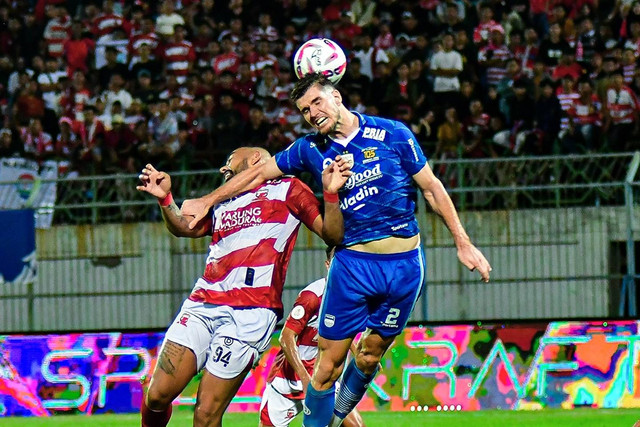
point(262, 194)
point(373, 133)
point(329, 320)
point(183, 319)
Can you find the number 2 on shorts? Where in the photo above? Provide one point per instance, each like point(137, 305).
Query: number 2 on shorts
point(392, 316)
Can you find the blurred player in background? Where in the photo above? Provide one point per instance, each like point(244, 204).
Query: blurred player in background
point(377, 274)
point(291, 371)
point(228, 320)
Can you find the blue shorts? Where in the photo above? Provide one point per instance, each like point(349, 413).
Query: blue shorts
point(375, 291)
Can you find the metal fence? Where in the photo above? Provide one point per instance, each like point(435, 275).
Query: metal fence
point(561, 233)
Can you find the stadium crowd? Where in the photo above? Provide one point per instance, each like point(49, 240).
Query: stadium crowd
point(102, 86)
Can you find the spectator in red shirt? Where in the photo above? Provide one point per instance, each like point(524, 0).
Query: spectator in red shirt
point(345, 31)
point(228, 59)
point(78, 49)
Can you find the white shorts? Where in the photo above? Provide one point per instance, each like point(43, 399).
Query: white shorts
point(225, 340)
point(277, 410)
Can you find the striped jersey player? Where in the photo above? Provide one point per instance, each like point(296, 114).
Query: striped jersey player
point(227, 321)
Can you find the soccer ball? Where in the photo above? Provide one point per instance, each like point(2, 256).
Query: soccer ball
point(320, 55)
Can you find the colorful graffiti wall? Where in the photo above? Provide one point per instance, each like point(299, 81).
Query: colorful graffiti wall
point(453, 367)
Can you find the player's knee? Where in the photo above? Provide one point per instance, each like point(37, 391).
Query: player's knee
point(367, 362)
point(158, 399)
point(326, 372)
point(207, 415)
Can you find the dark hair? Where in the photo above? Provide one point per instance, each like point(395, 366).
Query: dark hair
point(302, 86)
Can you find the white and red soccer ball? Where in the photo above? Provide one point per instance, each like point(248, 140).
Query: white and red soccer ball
point(320, 55)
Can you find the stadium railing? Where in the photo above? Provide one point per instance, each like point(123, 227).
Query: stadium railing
point(561, 232)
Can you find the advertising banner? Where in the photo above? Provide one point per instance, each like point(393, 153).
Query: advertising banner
point(452, 367)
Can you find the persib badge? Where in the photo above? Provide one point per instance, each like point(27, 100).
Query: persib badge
point(329, 320)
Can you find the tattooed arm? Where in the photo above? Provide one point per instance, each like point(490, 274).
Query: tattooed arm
point(158, 184)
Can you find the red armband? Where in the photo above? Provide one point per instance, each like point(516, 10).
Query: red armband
point(166, 201)
point(330, 197)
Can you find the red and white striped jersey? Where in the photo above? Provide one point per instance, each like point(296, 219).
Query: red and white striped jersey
point(495, 73)
point(56, 33)
point(621, 105)
point(303, 320)
point(253, 236)
point(586, 113)
point(108, 23)
point(136, 41)
point(179, 56)
point(566, 100)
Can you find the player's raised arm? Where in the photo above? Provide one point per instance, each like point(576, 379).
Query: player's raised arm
point(435, 193)
point(246, 180)
point(158, 184)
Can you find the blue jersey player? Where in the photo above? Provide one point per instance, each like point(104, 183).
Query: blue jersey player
point(377, 274)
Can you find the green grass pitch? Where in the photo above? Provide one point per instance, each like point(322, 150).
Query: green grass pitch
point(489, 418)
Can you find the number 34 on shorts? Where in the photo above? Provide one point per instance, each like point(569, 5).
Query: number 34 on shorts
point(221, 355)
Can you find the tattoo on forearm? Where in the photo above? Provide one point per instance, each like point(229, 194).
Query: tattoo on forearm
point(170, 357)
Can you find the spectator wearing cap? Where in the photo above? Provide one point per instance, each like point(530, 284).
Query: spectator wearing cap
point(621, 118)
point(492, 57)
point(67, 142)
point(482, 31)
point(409, 25)
point(78, 49)
point(143, 88)
point(167, 19)
point(520, 118)
point(446, 66)
point(57, 30)
point(585, 121)
point(368, 55)
point(111, 67)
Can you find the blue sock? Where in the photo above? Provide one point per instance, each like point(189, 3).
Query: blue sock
point(318, 407)
point(353, 387)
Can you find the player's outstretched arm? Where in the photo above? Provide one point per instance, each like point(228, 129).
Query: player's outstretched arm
point(435, 193)
point(246, 180)
point(288, 339)
point(158, 184)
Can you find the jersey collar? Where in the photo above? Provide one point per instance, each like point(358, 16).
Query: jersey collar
point(344, 142)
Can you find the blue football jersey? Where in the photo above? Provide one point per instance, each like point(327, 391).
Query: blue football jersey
point(378, 200)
